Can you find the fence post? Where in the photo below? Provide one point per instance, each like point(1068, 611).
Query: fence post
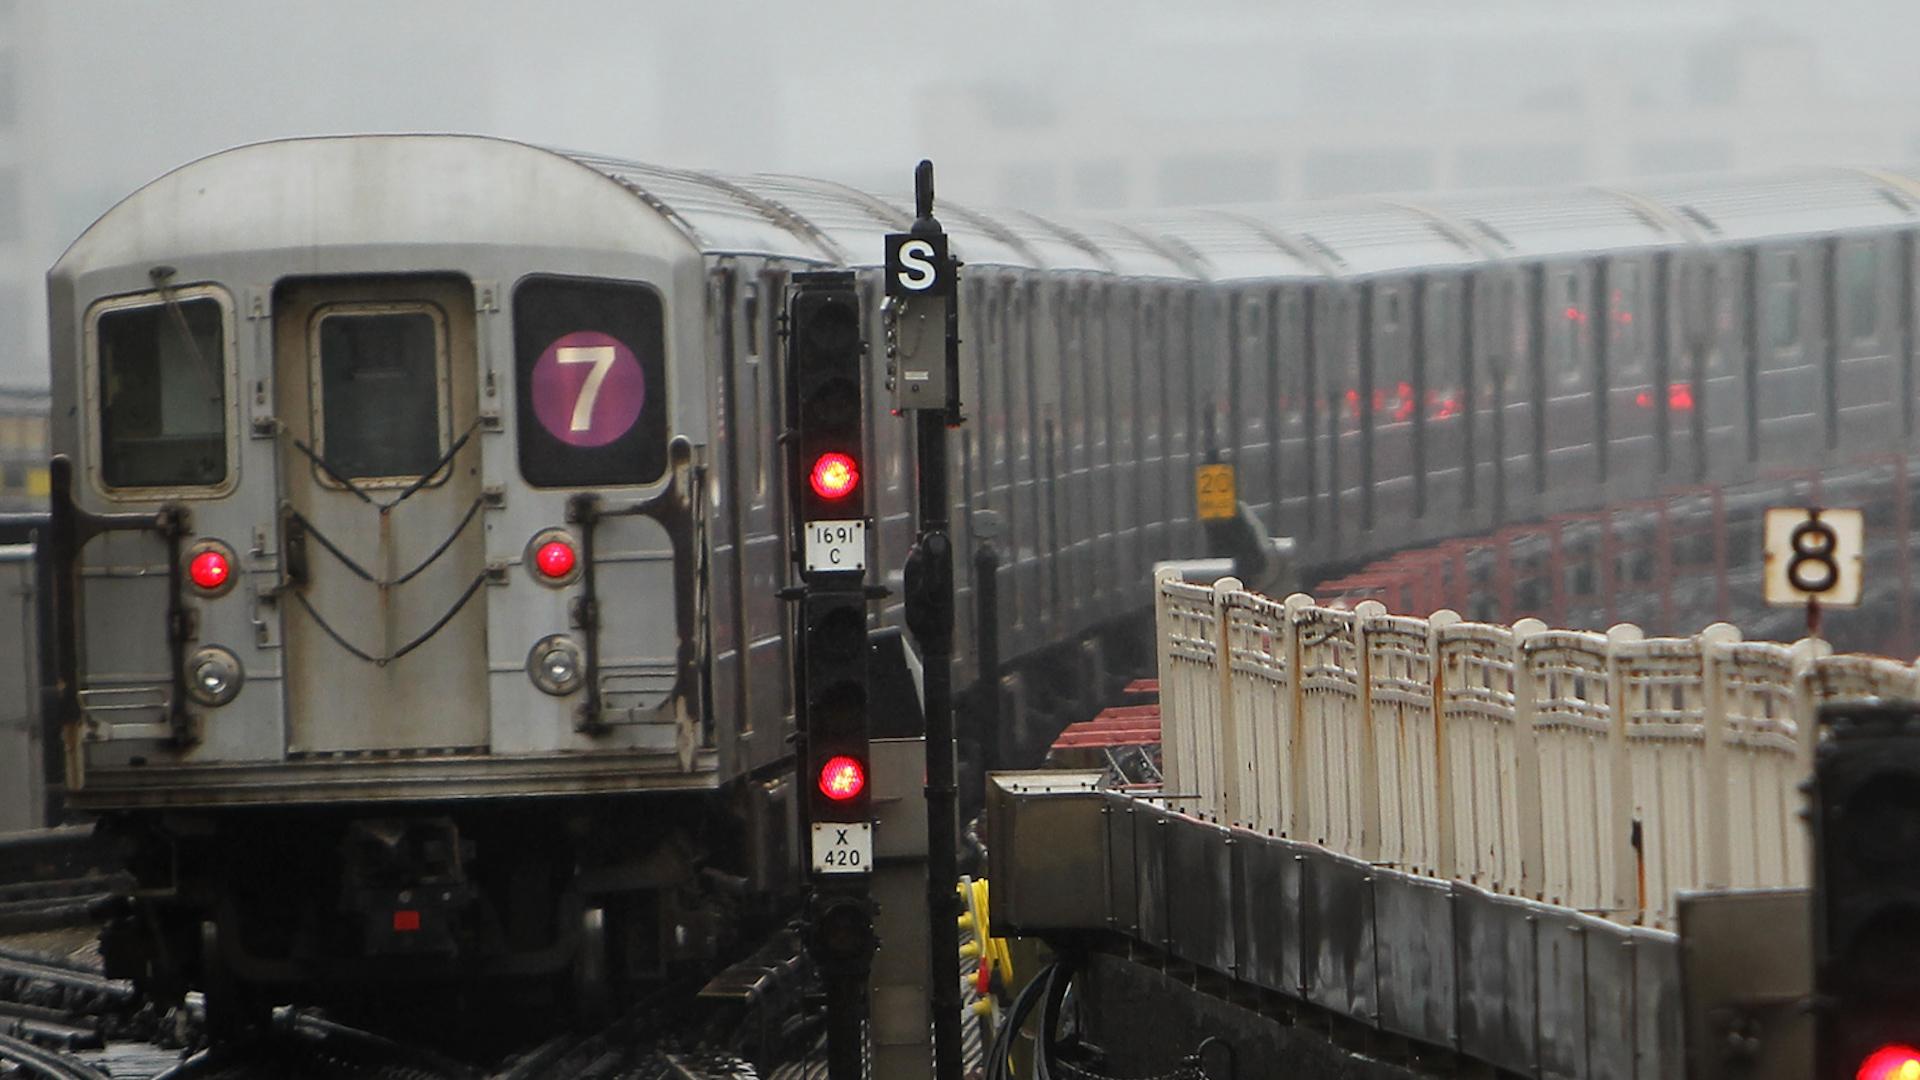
point(1715, 761)
point(1446, 860)
point(1526, 754)
point(1174, 744)
point(1296, 796)
point(1807, 653)
point(1369, 749)
point(1627, 872)
point(1230, 769)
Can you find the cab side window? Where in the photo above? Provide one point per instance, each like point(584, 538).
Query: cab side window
point(162, 392)
point(590, 375)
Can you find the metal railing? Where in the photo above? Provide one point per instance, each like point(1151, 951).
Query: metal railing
point(1601, 772)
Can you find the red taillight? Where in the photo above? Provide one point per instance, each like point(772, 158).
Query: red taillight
point(841, 778)
point(405, 919)
point(555, 558)
point(834, 476)
point(209, 570)
point(1891, 1062)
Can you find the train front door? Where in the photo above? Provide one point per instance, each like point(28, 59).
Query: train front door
point(381, 528)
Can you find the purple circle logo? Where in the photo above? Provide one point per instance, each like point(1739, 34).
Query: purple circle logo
point(588, 389)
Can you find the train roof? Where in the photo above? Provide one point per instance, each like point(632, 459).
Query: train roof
point(478, 180)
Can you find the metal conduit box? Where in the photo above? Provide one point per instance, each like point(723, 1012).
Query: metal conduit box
point(1047, 847)
point(1747, 969)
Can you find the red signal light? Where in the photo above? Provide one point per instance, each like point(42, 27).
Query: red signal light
point(1891, 1062)
point(834, 476)
point(209, 570)
point(555, 558)
point(842, 777)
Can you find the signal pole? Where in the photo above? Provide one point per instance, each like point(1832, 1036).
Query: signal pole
point(923, 370)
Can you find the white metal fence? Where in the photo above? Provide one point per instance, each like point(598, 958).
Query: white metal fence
point(1603, 772)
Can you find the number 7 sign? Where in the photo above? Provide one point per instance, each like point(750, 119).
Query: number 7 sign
point(588, 389)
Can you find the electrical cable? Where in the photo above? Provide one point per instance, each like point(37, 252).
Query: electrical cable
point(1059, 978)
point(999, 1058)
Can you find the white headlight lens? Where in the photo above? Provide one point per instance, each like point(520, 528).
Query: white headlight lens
point(214, 676)
point(555, 666)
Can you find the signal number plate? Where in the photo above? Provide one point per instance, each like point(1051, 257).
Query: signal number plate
point(836, 545)
point(842, 847)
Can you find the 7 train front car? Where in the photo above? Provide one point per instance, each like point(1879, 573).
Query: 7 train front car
point(377, 546)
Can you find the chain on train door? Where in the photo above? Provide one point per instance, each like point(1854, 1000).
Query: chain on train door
point(385, 627)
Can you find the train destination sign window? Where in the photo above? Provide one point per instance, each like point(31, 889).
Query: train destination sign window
point(590, 375)
point(162, 392)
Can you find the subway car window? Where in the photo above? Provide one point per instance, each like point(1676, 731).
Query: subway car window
point(163, 394)
point(1627, 352)
point(1783, 307)
point(1393, 399)
point(1859, 289)
point(590, 370)
point(1566, 317)
point(1441, 346)
point(1253, 368)
point(380, 404)
point(1294, 357)
point(750, 316)
point(1510, 356)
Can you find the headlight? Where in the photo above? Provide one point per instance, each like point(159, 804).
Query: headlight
point(555, 666)
point(553, 558)
point(210, 566)
point(214, 676)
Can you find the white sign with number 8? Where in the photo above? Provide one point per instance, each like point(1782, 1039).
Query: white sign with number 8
point(1813, 555)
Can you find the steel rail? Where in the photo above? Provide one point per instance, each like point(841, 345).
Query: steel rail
point(48, 1063)
point(14, 965)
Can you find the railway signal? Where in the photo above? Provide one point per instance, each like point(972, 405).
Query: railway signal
point(1866, 940)
point(826, 411)
point(829, 438)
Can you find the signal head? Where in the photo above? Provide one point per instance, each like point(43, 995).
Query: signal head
point(1893, 1061)
point(843, 778)
point(834, 475)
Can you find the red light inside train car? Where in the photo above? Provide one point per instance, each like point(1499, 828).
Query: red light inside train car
point(1679, 397)
point(1891, 1062)
point(842, 778)
point(209, 570)
point(834, 476)
point(555, 558)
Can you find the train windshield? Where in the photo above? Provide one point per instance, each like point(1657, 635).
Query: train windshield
point(380, 377)
point(163, 394)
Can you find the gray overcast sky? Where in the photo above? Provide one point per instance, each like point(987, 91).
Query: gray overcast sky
point(133, 87)
point(118, 91)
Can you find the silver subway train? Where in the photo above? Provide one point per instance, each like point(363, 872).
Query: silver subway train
point(418, 525)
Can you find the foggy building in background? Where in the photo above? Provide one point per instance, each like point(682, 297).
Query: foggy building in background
point(1324, 101)
point(23, 399)
point(1045, 104)
point(16, 272)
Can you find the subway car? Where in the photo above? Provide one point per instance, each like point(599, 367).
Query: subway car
point(418, 527)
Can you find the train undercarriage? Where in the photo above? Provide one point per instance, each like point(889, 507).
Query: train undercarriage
point(566, 905)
